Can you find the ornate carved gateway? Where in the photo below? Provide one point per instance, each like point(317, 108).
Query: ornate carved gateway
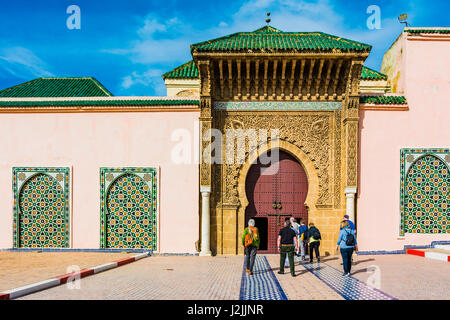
point(300, 93)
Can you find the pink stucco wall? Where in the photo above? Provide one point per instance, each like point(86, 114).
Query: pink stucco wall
point(383, 133)
point(88, 141)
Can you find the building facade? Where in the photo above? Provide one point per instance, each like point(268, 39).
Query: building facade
point(264, 124)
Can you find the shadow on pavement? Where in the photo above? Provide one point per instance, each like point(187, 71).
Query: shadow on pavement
point(361, 261)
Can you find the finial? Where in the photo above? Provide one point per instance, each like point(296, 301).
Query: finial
point(268, 19)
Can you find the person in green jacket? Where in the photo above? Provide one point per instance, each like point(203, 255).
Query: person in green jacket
point(250, 241)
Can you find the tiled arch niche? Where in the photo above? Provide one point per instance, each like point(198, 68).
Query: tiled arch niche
point(41, 207)
point(128, 202)
point(425, 191)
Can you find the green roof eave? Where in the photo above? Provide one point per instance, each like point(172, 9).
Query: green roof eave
point(428, 30)
point(370, 74)
point(189, 71)
point(381, 99)
point(268, 40)
point(186, 71)
point(105, 103)
point(57, 87)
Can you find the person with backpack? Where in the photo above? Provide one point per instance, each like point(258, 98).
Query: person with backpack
point(350, 223)
point(351, 226)
point(303, 232)
point(347, 243)
point(314, 242)
point(250, 241)
point(287, 244)
point(295, 226)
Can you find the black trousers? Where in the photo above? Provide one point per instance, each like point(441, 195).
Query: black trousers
point(314, 247)
point(347, 259)
point(250, 255)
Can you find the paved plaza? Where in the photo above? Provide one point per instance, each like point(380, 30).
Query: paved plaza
point(223, 278)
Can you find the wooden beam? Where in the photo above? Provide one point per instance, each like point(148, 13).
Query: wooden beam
point(319, 79)
point(300, 81)
point(256, 79)
point(239, 83)
point(283, 78)
point(327, 80)
point(266, 70)
point(336, 78)
point(274, 79)
point(291, 82)
point(247, 81)
point(230, 77)
point(308, 85)
point(221, 77)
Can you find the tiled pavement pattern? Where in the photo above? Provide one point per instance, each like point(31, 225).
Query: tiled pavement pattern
point(262, 284)
point(348, 287)
point(305, 286)
point(159, 278)
point(403, 276)
point(220, 278)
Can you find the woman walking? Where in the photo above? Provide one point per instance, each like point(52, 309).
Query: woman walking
point(347, 243)
point(314, 242)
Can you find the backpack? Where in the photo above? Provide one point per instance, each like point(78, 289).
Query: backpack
point(250, 236)
point(350, 239)
point(315, 233)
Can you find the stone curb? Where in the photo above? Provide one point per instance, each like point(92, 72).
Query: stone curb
point(56, 281)
point(429, 255)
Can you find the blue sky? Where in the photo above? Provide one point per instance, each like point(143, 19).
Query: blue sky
point(127, 45)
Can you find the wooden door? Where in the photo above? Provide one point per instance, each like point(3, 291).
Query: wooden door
point(275, 192)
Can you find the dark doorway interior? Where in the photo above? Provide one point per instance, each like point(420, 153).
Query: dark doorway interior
point(263, 227)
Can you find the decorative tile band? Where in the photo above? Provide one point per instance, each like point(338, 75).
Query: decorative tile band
point(262, 285)
point(424, 189)
point(128, 204)
point(41, 207)
point(348, 287)
point(279, 106)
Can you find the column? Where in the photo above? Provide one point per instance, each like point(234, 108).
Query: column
point(205, 246)
point(350, 196)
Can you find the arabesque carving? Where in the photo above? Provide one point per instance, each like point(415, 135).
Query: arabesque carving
point(309, 132)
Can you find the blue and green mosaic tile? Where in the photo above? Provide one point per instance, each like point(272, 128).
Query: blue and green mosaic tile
point(424, 191)
point(41, 207)
point(128, 208)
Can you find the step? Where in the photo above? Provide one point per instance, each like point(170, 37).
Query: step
point(443, 247)
point(436, 254)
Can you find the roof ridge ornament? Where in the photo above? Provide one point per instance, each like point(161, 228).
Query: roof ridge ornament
point(268, 19)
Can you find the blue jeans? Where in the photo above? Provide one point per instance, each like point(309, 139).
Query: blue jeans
point(347, 259)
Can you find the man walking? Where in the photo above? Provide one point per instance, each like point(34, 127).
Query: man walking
point(250, 241)
point(351, 225)
point(287, 244)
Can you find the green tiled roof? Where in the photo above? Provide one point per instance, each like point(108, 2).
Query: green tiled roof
point(186, 71)
point(57, 87)
point(383, 99)
point(268, 39)
point(267, 29)
point(370, 74)
point(428, 30)
point(106, 103)
point(189, 71)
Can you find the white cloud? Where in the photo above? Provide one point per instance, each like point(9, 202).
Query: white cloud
point(22, 63)
point(150, 78)
point(161, 41)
